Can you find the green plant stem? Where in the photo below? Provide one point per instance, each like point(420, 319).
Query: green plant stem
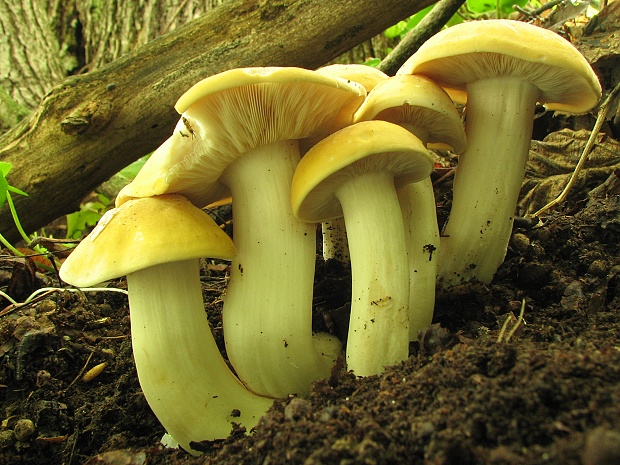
point(37, 248)
point(8, 245)
point(22, 233)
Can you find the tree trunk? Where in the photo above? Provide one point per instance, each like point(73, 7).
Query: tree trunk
point(112, 29)
point(46, 40)
point(30, 58)
point(92, 125)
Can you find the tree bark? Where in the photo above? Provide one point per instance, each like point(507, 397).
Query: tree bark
point(92, 125)
point(430, 25)
point(46, 40)
point(112, 29)
point(30, 58)
point(43, 41)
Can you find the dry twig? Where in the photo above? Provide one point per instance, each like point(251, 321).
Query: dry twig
point(600, 119)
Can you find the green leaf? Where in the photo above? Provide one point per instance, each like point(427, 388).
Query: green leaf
point(507, 7)
point(88, 215)
point(78, 221)
point(416, 18)
point(5, 187)
point(374, 62)
point(131, 171)
point(15, 190)
point(456, 19)
point(397, 30)
point(481, 6)
point(5, 168)
point(486, 6)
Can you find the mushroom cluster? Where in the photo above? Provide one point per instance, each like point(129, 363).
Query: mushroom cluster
point(346, 146)
point(502, 69)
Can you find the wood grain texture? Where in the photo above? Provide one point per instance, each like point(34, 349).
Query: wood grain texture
point(92, 125)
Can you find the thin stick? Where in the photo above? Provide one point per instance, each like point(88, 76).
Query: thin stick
point(500, 336)
point(448, 175)
point(518, 323)
point(513, 330)
point(600, 119)
point(427, 27)
point(81, 371)
point(49, 290)
point(534, 13)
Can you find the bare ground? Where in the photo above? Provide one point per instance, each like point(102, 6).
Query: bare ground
point(548, 392)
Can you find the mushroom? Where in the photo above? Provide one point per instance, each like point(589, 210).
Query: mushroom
point(506, 67)
point(157, 242)
point(365, 75)
point(422, 107)
point(351, 173)
point(238, 135)
point(335, 245)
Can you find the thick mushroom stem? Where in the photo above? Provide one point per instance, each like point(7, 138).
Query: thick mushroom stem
point(267, 311)
point(335, 243)
point(379, 323)
point(499, 119)
point(417, 203)
point(183, 376)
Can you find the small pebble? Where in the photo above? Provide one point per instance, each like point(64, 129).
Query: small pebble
point(46, 306)
point(24, 429)
point(7, 438)
point(43, 378)
point(327, 413)
point(422, 429)
point(520, 242)
point(94, 372)
point(602, 447)
point(297, 408)
point(598, 268)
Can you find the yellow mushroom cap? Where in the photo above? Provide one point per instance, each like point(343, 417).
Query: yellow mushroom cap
point(500, 47)
point(296, 80)
point(231, 113)
point(415, 102)
point(365, 147)
point(367, 76)
point(142, 233)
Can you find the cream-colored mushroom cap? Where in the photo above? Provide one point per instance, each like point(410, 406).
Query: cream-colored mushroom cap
point(418, 104)
point(142, 233)
point(477, 50)
point(365, 147)
point(231, 113)
point(367, 76)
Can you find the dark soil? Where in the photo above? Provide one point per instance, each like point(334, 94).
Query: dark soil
point(548, 392)
point(544, 390)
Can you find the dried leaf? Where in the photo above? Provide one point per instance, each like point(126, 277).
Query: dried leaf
point(553, 160)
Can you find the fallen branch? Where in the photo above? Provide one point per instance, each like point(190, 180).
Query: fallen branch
point(430, 25)
point(92, 125)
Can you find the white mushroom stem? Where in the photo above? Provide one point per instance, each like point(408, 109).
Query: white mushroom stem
point(268, 305)
point(379, 323)
point(183, 376)
point(335, 243)
point(417, 203)
point(499, 120)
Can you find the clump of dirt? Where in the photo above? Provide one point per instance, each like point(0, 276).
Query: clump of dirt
point(523, 371)
point(546, 389)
